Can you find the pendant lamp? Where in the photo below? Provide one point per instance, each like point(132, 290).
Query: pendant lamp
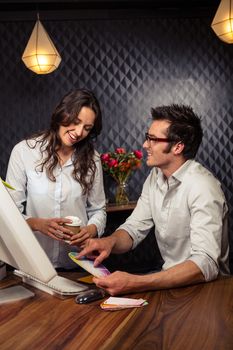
point(223, 21)
point(40, 54)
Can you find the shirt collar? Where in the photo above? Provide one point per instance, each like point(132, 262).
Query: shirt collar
point(180, 173)
point(68, 163)
point(175, 178)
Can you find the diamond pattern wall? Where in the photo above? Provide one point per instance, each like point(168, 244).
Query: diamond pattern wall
point(131, 65)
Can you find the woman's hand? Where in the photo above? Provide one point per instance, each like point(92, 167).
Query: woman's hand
point(52, 227)
point(85, 233)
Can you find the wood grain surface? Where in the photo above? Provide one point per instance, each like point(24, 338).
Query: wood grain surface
point(113, 207)
point(196, 317)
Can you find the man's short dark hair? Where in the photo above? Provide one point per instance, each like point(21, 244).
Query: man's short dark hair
point(185, 126)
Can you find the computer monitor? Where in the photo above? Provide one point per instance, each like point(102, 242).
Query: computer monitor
point(20, 249)
point(18, 245)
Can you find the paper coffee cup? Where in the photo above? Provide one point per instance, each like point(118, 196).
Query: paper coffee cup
point(74, 226)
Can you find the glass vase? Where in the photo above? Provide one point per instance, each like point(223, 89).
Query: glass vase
point(121, 193)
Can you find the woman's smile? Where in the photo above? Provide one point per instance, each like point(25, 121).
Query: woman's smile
point(72, 136)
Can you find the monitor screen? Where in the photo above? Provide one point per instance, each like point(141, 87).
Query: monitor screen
point(18, 244)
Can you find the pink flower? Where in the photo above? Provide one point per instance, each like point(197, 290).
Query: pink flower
point(138, 154)
point(120, 150)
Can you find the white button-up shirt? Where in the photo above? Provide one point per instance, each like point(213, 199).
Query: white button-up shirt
point(189, 213)
point(47, 199)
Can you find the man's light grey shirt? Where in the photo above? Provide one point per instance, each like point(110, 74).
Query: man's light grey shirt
point(189, 212)
point(47, 199)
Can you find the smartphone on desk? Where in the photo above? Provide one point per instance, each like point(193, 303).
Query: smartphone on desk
point(89, 296)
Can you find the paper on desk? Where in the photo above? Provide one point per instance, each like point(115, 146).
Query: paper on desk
point(116, 303)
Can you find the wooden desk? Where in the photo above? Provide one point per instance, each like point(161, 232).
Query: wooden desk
point(196, 317)
point(113, 207)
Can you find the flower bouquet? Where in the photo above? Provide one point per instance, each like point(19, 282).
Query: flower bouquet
point(119, 165)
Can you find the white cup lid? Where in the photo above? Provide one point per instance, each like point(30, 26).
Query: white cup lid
point(75, 221)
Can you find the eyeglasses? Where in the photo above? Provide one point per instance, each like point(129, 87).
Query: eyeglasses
point(156, 139)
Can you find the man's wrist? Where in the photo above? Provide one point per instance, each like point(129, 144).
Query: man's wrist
point(113, 240)
point(122, 241)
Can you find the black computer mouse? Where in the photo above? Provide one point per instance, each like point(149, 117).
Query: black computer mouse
point(89, 296)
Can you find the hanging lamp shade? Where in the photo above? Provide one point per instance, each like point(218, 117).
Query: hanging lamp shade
point(40, 54)
point(223, 21)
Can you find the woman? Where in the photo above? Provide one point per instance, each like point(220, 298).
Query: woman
point(57, 173)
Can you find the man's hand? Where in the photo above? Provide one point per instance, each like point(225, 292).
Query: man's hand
point(101, 245)
point(52, 227)
point(118, 283)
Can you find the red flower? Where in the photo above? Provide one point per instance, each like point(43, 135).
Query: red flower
point(105, 157)
point(138, 154)
point(120, 151)
point(112, 163)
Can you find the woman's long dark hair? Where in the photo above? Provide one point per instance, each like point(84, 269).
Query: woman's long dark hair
point(83, 157)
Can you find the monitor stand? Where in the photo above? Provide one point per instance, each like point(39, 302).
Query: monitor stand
point(58, 285)
point(14, 293)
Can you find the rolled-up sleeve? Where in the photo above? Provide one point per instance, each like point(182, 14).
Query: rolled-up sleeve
point(208, 225)
point(140, 221)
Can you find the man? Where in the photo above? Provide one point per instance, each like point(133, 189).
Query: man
point(184, 202)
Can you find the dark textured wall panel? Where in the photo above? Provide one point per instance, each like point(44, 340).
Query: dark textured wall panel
point(132, 65)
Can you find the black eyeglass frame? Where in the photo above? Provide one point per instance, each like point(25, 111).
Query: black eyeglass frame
point(157, 139)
